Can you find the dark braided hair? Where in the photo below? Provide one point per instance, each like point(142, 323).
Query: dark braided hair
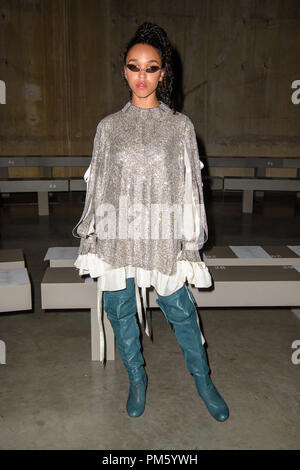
point(155, 36)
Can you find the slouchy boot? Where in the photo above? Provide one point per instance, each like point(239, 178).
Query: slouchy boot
point(180, 311)
point(121, 312)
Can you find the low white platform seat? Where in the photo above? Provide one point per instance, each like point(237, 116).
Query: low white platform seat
point(63, 288)
point(15, 290)
point(265, 255)
point(234, 286)
point(252, 286)
point(15, 286)
point(61, 256)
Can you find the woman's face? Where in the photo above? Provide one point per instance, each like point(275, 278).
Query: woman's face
point(142, 83)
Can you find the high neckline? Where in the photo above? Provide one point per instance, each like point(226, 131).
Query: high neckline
point(158, 112)
point(139, 107)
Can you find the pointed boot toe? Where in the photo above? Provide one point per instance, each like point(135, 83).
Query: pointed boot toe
point(211, 397)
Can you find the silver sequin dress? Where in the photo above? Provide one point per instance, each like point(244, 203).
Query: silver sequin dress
point(144, 177)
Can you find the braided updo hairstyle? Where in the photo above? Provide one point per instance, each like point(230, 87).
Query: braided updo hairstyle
point(155, 36)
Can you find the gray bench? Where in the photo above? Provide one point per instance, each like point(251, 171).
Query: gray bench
point(40, 186)
point(259, 182)
point(259, 165)
point(45, 162)
point(249, 185)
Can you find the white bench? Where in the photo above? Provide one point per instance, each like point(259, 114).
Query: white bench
point(43, 186)
point(11, 259)
point(265, 255)
point(77, 184)
point(262, 282)
point(15, 287)
point(40, 186)
point(249, 185)
point(251, 286)
point(259, 165)
point(61, 256)
point(63, 288)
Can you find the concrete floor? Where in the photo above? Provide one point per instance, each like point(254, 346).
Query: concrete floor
point(53, 396)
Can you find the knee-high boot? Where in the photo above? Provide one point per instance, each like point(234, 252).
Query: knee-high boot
point(121, 312)
point(180, 311)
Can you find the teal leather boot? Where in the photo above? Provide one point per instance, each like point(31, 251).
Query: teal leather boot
point(121, 312)
point(180, 311)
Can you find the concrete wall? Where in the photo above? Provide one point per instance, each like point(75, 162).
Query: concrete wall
point(60, 60)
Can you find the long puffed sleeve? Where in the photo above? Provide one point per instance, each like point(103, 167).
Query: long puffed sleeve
point(194, 224)
point(86, 225)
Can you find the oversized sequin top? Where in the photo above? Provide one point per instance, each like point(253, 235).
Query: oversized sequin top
point(144, 214)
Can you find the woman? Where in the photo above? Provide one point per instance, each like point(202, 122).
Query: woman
point(144, 219)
